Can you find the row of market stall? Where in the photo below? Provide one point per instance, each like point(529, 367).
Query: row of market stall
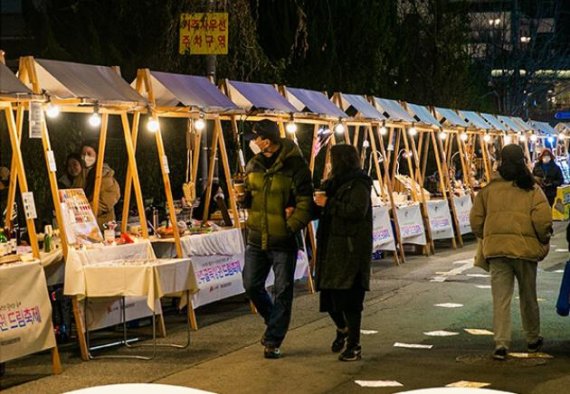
point(427, 163)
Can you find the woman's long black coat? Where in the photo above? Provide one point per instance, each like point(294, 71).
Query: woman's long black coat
point(344, 237)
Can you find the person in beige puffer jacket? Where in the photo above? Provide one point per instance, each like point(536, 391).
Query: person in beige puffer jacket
point(512, 219)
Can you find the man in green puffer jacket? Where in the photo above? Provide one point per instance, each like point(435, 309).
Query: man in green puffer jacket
point(278, 196)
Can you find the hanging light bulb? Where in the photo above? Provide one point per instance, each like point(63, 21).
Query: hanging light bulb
point(291, 127)
point(152, 125)
point(463, 136)
point(52, 111)
point(200, 124)
point(339, 128)
point(550, 140)
point(487, 138)
point(442, 135)
point(508, 139)
point(533, 138)
point(383, 130)
point(412, 131)
point(95, 119)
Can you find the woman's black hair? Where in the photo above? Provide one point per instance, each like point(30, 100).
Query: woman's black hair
point(513, 167)
point(344, 159)
point(73, 156)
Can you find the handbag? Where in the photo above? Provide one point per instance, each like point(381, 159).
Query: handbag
point(563, 303)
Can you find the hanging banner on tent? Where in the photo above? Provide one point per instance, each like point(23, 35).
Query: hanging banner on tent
point(382, 234)
point(463, 208)
point(204, 33)
point(440, 219)
point(411, 224)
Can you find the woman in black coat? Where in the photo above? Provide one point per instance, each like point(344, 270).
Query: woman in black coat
point(344, 245)
point(548, 175)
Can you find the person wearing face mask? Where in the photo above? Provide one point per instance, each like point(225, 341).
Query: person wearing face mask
point(110, 190)
point(278, 196)
point(73, 177)
point(548, 174)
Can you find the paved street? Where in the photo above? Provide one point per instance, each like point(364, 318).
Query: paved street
point(226, 357)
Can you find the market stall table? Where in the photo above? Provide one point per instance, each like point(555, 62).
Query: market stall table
point(130, 270)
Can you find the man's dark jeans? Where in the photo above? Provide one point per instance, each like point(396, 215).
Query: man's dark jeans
point(276, 313)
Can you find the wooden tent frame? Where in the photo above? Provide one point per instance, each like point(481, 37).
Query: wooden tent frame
point(377, 148)
point(18, 176)
point(432, 134)
point(28, 75)
point(144, 85)
point(398, 130)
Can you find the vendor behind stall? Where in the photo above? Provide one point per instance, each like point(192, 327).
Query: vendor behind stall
point(110, 190)
point(73, 177)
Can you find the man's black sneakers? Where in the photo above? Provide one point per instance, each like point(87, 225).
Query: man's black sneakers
point(535, 346)
point(500, 354)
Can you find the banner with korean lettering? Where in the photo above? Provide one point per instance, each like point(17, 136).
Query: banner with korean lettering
point(440, 219)
point(411, 224)
point(218, 277)
point(25, 311)
point(382, 234)
point(463, 206)
point(204, 33)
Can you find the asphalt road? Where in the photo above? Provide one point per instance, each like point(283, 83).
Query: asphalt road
point(226, 357)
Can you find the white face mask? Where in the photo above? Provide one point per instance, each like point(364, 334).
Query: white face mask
point(88, 161)
point(546, 159)
point(254, 148)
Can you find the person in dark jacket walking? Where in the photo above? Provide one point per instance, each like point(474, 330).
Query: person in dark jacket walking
point(548, 175)
point(344, 248)
point(278, 195)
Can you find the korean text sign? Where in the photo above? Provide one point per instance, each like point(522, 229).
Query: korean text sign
point(204, 33)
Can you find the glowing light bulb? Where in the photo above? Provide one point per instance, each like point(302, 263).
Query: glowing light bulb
point(442, 135)
point(95, 120)
point(383, 130)
point(550, 139)
point(291, 127)
point(200, 124)
point(533, 138)
point(412, 131)
point(463, 136)
point(52, 111)
point(152, 125)
point(339, 128)
point(487, 138)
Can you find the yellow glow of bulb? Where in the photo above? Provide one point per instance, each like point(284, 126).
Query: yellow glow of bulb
point(52, 111)
point(95, 120)
point(291, 127)
point(152, 125)
point(200, 124)
point(412, 131)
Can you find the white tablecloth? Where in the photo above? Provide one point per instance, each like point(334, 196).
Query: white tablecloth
point(126, 270)
point(225, 242)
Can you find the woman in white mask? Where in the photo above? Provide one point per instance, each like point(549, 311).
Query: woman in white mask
point(110, 190)
point(548, 174)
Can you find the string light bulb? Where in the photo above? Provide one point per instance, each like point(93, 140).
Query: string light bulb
point(152, 125)
point(200, 124)
point(95, 119)
point(52, 111)
point(383, 130)
point(463, 136)
point(291, 127)
point(442, 135)
point(412, 131)
point(339, 128)
point(487, 138)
